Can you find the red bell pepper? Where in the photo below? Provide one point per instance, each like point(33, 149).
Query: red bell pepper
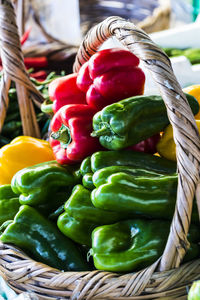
point(147, 146)
point(71, 139)
point(64, 91)
point(39, 75)
point(36, 62)
point(109, 76)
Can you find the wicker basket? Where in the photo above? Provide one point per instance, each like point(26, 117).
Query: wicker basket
point(165, 279)
point(150, 16)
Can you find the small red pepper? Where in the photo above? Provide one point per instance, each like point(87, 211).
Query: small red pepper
point(64, 91)
point(109, 76)
point(25, 36)
point(36, 62)
point(71, 139)
point(40, 75)
point(147, 146)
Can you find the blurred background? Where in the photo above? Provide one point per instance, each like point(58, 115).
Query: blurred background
point(69, 21)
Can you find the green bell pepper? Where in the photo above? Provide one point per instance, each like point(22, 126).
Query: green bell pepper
point(100, 176)
point(152, 197)
point(131, 245)
point(9, 203)
point(76, 230)
point(42, 240)
point(87, 173)
point(132, 120)
point(140, 188)
point(45, 186)
point(81, 217)
point(87, 181)
point(139, 160)
point(194, 292)
point(85, 166)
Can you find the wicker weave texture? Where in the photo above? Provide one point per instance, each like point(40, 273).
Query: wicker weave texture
point(14, 70)
point(24, 274)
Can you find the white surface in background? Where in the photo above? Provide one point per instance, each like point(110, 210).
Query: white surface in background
point(60, 18)
point(186, 36)
point(65, 21)
point(182, 37)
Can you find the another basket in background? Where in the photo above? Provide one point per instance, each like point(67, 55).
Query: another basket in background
point(166, 278)
point(151, 16)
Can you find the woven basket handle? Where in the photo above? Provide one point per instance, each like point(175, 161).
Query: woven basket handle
point(14, 70)
point(186, 134)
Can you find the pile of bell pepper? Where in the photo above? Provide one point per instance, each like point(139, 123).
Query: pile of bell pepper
point(97, 195)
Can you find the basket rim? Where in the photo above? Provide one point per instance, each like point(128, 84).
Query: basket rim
point(25, 274)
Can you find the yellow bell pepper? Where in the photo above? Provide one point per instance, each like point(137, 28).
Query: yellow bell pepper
point(194, 90)
point(166, 146)
point(22, 152)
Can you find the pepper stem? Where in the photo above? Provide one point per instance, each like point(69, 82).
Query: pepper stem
point(104, 130)
point(47, 107)
point(63, 136)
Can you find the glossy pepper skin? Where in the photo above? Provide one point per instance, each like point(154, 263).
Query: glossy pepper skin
point(133, 244)
point(153, 197)
point(71, 139)
point(41, 239)
point(22, 152)
point(110, 75)
point(132, 120)
point(92, 180)
point(45, 186)
point(87, 181)
point(64, 91)
point(9, 203)
point(100, 177)
point(136, 191)
point(81, 217)
point(102, 159)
